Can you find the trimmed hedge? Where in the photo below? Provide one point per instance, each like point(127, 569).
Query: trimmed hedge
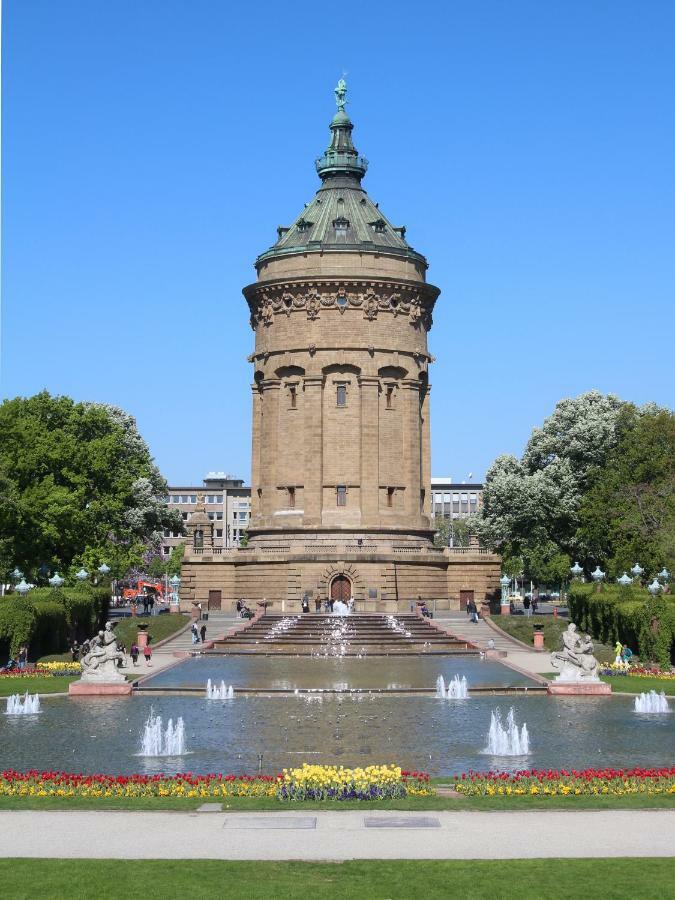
point(46, 620)
point(626, 614)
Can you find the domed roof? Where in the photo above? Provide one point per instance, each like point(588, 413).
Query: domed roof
point(341, 216)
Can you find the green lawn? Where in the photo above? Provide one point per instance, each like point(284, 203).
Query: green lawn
point(36, 685)
point(520, 627)
point(420, 804)
point(159, 627)
point(520, 879)
point(630, 684)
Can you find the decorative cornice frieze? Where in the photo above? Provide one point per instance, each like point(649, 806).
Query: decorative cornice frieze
point(372, 297)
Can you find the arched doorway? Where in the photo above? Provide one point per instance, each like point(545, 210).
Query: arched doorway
point(340, 588)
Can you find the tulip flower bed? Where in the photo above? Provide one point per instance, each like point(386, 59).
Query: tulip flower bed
point(636, 672)
point(44, 670)
point(336, 783)
point(562, 783)
point(305, 783)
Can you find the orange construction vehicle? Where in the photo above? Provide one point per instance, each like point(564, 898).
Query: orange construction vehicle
point(151, 588)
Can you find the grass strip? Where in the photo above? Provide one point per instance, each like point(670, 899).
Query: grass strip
point(35, 684)
point(632, 684)
point(419, 804)
point(524, 879)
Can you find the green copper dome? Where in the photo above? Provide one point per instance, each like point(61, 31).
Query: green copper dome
point(341, 216)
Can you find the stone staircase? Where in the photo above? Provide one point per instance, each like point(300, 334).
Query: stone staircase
point(460, 626)
point(217, 625)
point(366, 634)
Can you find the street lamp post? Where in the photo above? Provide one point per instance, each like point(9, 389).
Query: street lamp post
point(505, 581)
point(625, 580)
point(23, 587)
point(174, 581)
point(82, 575)
point(576, 570)
point(636, 571)
point(664, 575)
point(598, 577)
point(654, 588)
point(56, 581)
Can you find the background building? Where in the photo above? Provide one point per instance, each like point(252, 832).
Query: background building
point(453, 499)
point(228, 506)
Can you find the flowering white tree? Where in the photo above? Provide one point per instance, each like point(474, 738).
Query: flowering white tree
point(530, 506)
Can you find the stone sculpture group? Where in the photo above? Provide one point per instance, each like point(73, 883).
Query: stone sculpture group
point(575, 661)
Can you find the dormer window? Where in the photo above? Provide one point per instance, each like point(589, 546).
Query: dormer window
point(379, 226)
point(303, 225)
point(341, 225)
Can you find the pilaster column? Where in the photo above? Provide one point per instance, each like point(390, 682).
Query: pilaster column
point(255, 449)
point(313, 463)
point(412, 447)
point(426, 452)
point(269, 446)
point(370, 450)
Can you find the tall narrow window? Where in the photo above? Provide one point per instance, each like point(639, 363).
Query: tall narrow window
point(342, 395)
point(291, 498)
point(341, 493)
point(292, 390)
point(389, 396)
point(390, 496)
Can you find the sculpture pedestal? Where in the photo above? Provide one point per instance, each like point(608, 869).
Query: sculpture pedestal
point(584, 688)
point(99, 688)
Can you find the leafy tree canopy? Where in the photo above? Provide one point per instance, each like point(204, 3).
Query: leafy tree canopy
point(77, 484)
point(593, 479)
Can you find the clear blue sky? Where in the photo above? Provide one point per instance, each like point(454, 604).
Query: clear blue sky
point(151, 148)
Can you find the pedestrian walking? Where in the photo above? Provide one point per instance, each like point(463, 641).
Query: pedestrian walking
point(23, 657)
point(133, 653)
point(317, 604)
point(147, 653)
point(305, 605)
point(195, 633)
point(202, 632)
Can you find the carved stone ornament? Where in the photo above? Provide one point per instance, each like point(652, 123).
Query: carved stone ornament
point(370, 306)
point(313, 304)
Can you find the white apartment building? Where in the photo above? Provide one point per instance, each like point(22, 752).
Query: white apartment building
point(228, 505)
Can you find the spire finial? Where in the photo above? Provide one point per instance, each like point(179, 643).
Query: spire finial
point(341, 95)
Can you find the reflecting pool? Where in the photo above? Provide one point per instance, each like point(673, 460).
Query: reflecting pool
point(442, 737)
point(291, 672)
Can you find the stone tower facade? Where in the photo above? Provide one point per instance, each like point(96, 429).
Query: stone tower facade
point(340, 472)
point(341, 311)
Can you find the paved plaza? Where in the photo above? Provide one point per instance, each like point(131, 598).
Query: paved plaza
point(334, 836)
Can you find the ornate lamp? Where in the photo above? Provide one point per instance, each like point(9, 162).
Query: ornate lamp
point(664, 575)
point(174, 581)
point(625, 580)
point(505, 581)
point(23, 587)
point(17, 574)
point(103, 569)
point(82, 575)
point(637, 570)
point(598, 575)
point(654, 588)
point(576, 570)
point(56, 581)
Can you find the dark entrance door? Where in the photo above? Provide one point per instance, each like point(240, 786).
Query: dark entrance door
point(464, 597)
point(341, 588)
point(215, 598)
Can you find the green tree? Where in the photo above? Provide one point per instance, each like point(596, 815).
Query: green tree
point(442, 531)
point(629, 512)
point(77, 482)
